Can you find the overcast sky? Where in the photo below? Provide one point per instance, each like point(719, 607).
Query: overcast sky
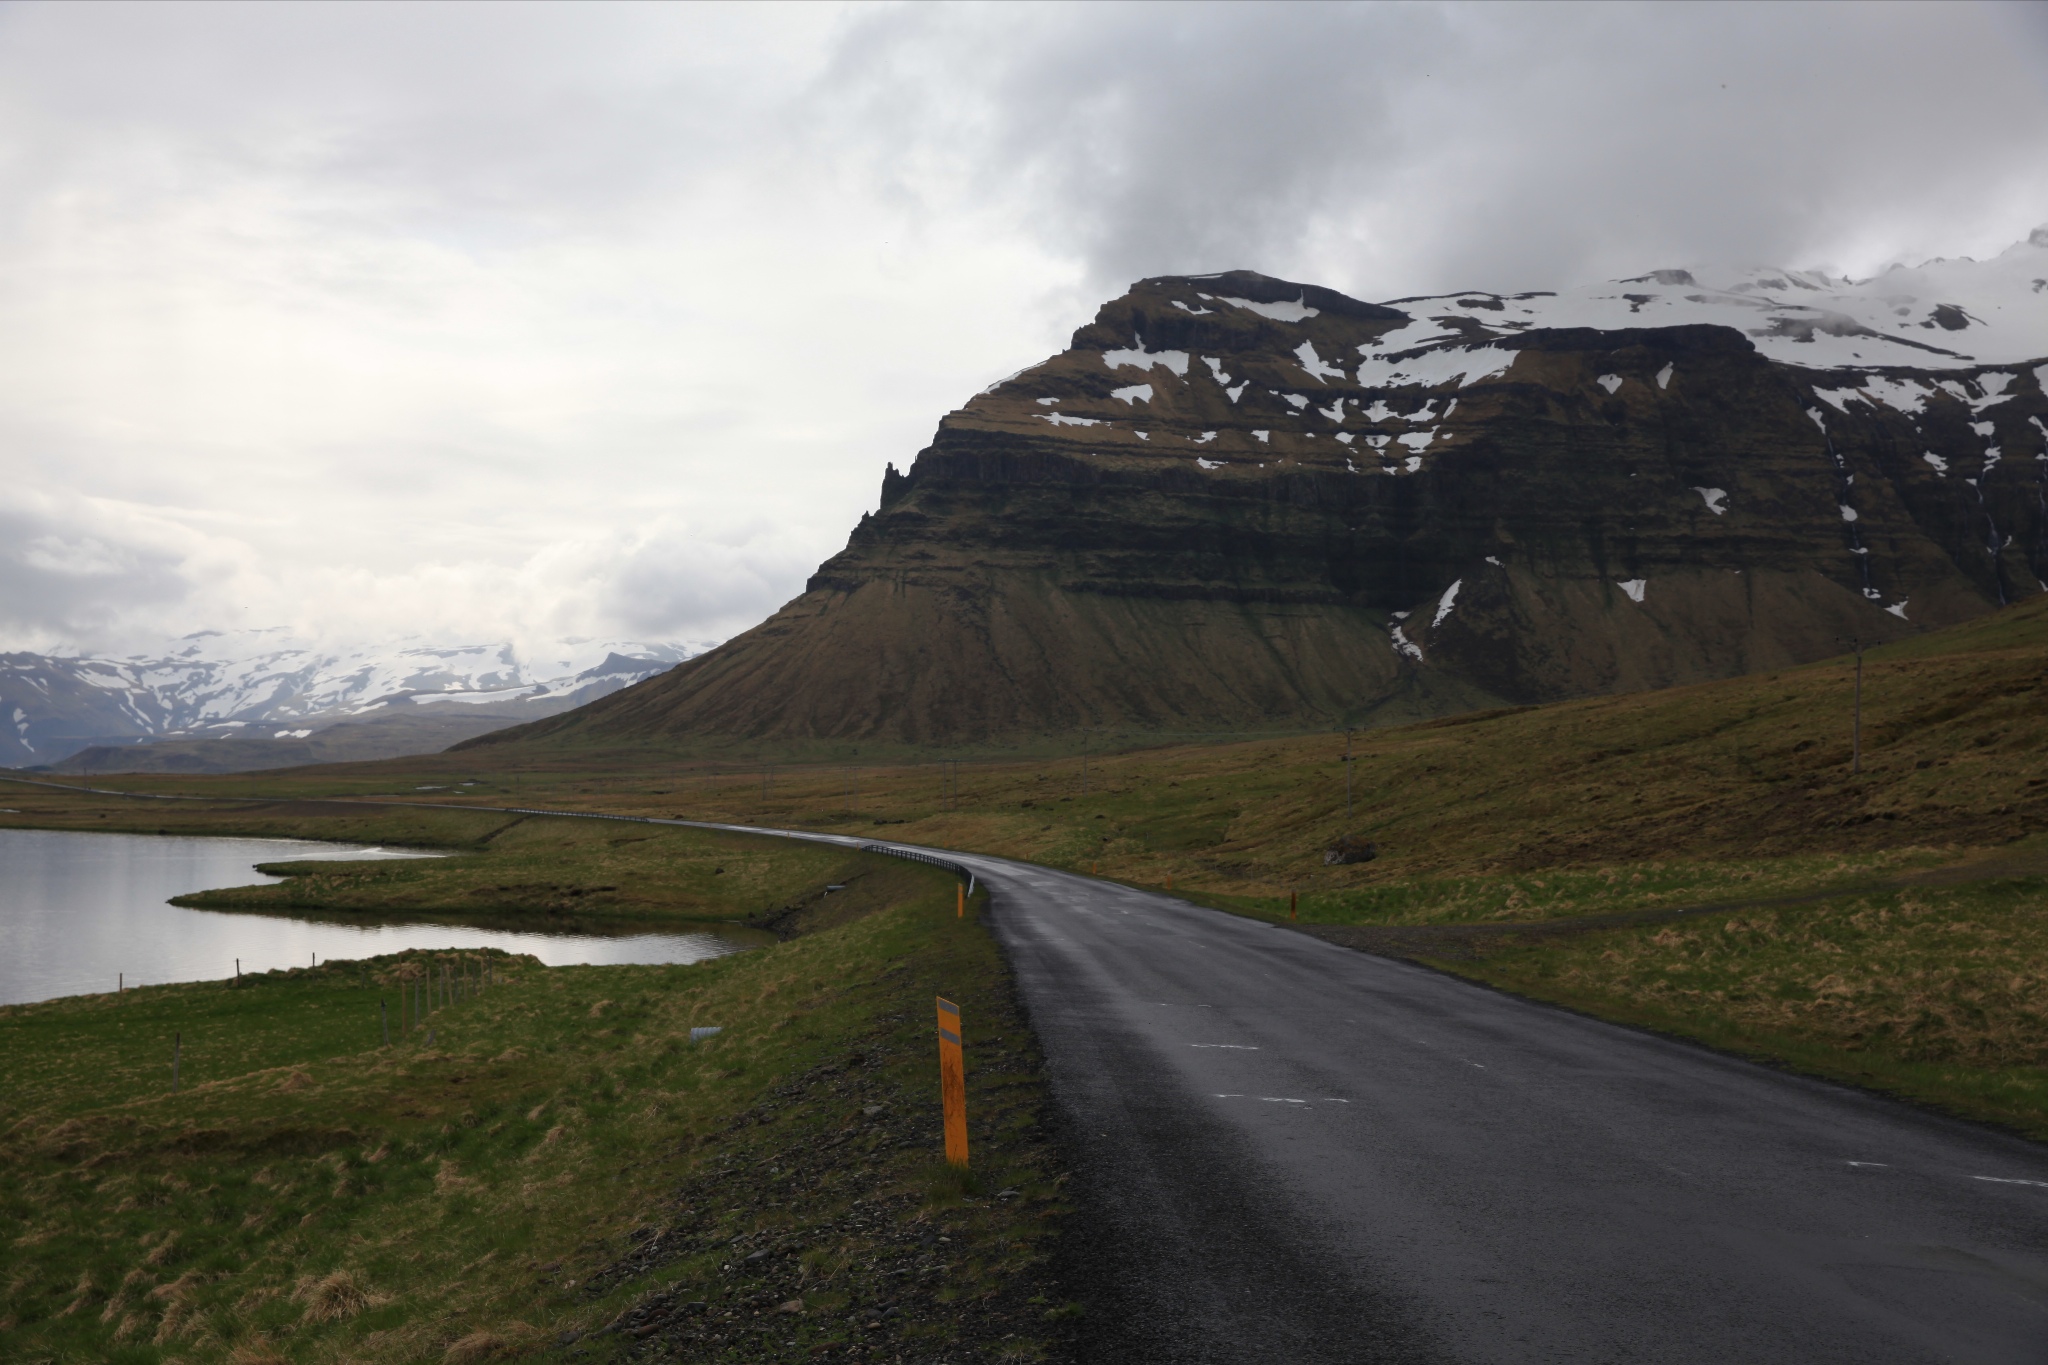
point(526, 321)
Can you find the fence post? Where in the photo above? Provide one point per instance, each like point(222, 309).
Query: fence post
point(952, 1082)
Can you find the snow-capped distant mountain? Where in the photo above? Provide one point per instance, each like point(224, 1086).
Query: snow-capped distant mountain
point(264, 683)
point(1944, 314)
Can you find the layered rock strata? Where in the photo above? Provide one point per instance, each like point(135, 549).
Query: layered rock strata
point(1237, 502)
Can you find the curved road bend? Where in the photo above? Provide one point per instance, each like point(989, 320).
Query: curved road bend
point(1292, 1151)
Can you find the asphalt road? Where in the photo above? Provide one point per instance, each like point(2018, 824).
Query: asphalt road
point(1292, 1151)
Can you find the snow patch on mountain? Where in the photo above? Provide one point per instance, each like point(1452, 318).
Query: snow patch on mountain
point(1941, 314)
point(1446, 603)
point(1296, 311)
point(1142, 359)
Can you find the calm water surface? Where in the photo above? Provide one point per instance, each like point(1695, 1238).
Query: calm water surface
point(78, 911)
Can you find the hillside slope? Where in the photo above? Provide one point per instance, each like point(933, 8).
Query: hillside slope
point(1238, 503)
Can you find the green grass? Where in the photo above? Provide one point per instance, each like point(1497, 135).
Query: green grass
point(312, 1194)
point(540, 872)
point(1939, 995)
point(1565, 893)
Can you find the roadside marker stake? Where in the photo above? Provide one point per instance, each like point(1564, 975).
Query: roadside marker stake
point(952, 1082)
point(1294, 905)
point(960, 908)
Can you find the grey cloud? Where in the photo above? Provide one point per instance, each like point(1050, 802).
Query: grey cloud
point(674, 582)
point(61, 581)
point(1404, 148)
point(491, 126)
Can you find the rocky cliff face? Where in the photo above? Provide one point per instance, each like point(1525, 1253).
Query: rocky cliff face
point(1238, 502)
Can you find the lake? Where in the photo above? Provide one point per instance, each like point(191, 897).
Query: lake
point(81, 912)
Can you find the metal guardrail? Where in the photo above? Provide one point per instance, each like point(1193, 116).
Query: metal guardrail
point(918, 856)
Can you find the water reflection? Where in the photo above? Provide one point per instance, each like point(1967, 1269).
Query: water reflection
point(81, 911)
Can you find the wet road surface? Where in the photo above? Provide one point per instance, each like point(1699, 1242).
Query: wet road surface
point(1292, 1151)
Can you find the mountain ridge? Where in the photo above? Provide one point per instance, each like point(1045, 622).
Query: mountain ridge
point(267, 688)
point(1237, 502)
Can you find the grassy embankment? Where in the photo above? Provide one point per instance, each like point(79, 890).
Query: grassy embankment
point(560, 1157)
point(1937, 995)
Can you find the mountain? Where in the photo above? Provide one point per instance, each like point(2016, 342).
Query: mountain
point(1237, 502)
point(254, 699)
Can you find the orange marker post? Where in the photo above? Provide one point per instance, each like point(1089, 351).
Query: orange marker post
point(952, 1082)
point(960, 906)
point(1294, 905)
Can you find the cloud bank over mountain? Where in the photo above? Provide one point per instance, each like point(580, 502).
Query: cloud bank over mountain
point(540, 321)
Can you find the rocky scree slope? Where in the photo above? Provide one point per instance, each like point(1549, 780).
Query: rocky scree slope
point(1239, 502)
